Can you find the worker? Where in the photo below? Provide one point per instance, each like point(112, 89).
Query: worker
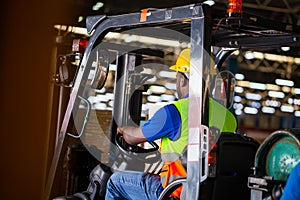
point(170, 123)
point(291, 190)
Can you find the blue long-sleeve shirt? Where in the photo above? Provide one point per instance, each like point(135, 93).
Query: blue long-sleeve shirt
point(165, 122)
point(292, 188)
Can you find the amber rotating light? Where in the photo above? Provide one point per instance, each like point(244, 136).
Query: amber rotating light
point(234, 8)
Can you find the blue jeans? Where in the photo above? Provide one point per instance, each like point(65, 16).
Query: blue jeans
point(133, 185)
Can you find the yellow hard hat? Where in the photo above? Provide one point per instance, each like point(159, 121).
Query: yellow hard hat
point(183, 62)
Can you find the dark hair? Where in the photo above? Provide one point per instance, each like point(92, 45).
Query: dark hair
point(184, 75)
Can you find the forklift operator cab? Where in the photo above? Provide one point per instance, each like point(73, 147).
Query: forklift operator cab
point(101, 173)
point(125, 72)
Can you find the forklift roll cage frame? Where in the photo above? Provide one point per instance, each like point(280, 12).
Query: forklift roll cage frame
point(207, 27)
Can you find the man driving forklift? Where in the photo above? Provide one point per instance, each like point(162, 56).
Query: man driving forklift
point(170, 123)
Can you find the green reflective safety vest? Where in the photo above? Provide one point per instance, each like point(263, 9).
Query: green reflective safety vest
point(219, 116)
point(171, 150)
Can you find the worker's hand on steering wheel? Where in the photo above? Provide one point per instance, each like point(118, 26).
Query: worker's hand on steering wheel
point(120, 131)
point(133, 150)
point(125, 143)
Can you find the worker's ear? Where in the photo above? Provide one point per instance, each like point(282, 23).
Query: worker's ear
point(184, 80)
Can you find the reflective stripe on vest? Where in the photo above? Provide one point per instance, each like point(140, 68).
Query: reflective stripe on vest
point(170, 172)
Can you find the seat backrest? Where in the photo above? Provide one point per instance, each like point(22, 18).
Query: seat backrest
point(235, 155)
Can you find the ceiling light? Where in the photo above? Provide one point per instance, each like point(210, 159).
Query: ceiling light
point(273, 103)
point(285, 48)
point(167, 97)
point(238, 106)
point(153, 98)
point(237, 99)
point(296, 90)
point(249, 55)
point(297, 102)
point(243, 83)
point(250, 110)
point(286, 89)
point(167, 74)
point(239, 77)
point(80, 18)
point(170, 86)
point(272, 87)
point(287, 109)
point(238, 89)
point(279, 58)
point(238, 112)
point(294, 101)
point(258, 86)
point(209, 2)
point(269, 110)
point(157, 89)
point(284, 82)
point(254, 104)
point(144, 39)
point(258, 55)
point(276, 94)
point(252, 96)
point(72, 29)
point(97, 6)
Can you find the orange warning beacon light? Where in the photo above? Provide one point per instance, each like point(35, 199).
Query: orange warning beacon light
point(79, 45)
point(234, 8)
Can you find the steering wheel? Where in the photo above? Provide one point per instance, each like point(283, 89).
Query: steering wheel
point(147, 155)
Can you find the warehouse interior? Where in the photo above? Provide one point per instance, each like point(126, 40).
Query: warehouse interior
point(29, 112)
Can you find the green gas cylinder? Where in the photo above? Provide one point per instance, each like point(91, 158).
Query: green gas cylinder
point(278, 154)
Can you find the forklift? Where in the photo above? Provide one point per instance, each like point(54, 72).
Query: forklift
point(129, 56)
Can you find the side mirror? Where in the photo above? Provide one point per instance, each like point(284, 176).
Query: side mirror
point(223, 88)
point(101, 63)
